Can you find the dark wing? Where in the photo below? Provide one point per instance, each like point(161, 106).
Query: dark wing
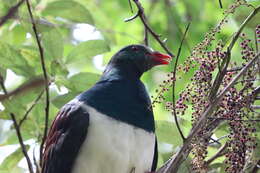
point(155, 157)
point(67, 133)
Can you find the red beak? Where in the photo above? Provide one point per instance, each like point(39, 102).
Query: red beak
point(160, 59)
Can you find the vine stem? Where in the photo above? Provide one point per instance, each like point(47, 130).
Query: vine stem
point(174, 82)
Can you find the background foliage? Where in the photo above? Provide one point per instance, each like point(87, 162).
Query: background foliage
point(79, 37)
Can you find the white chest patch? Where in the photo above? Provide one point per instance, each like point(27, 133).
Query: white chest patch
point(114, 147)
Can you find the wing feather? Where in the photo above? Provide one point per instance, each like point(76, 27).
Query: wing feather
point(67, 133)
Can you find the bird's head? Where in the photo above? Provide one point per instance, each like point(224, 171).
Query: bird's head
point(136, 59)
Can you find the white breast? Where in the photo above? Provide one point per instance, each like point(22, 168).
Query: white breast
point(114, 147)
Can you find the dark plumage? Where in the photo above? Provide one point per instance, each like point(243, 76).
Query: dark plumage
point(109, 125)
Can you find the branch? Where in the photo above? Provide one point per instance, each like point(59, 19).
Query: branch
point(22, 89)
point(10, 12)
point(220, 3)
point(45, 76)
point(219, 153)
point(141, 15)
point(30, 109)
point(174, 82)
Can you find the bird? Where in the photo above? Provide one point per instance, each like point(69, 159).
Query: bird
point(109, 128)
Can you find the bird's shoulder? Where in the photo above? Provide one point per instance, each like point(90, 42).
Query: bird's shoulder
point(116, 90)
point(123, 100)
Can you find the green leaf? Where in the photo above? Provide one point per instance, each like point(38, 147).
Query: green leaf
point(70, 10)
point(31, 54)
point(5, 131)
point(58, 68)
point(167, 132)
point(87, 49)
point(53, 43)
point(222, 130)
point(18, 104)
point(11, 58)
point(12, 160)
point(61, 100)
point(14, 36)
point(81, 81)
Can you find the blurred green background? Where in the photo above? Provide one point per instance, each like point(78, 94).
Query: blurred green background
point(79, 37)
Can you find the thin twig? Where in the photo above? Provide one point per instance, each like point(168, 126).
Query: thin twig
point(131, 18)
point(18, 132)
point(30, 109)
point(256, 120)
point(242, 72)
point(171, 21)
point(217, 140)
point(3, 85)
point(22, 89)
point(255, 106)
point(220, 3)
point(130, 5)
point(214, 141)
point(20, 138)
point(247, 80)
point(141, 16)
point(174, 82)
point(234, 69)
point(35, 162)
point(45, 77)
point(257, 50)
point(146, 42)
point(219, 153)
point(10, 12)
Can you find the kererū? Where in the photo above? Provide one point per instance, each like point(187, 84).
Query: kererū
point(110, 127)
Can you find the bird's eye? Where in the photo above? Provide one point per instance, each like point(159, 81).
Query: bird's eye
point(134, 48)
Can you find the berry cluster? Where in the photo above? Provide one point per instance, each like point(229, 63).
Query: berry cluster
point(234, 108)
point(236, 4)
point(257, 33)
